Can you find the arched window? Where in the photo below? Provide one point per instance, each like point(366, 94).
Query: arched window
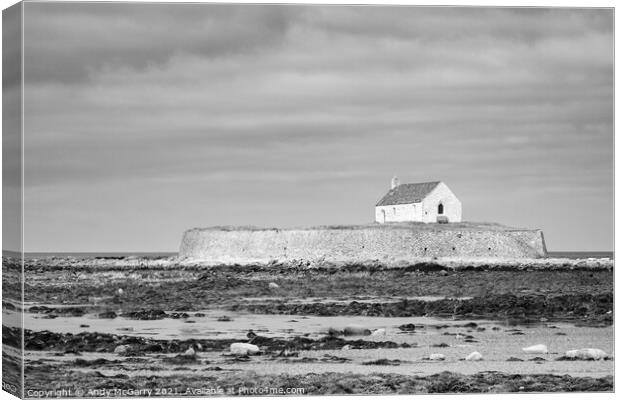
point(440, 209)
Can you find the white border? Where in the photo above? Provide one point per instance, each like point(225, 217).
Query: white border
point(479, 3)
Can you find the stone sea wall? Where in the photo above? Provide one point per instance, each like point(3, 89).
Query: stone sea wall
point(359, 244)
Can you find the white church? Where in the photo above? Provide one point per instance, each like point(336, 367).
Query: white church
point(426, 202)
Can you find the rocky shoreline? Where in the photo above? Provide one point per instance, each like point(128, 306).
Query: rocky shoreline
point(420, 263)
point(581, 292)
point(322, 384)
point(584, 308)
point(189, 294)
point(108, 343)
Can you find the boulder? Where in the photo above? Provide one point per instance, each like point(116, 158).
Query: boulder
point(190, 352)
point(437, 356)
point(536, 349)
point(243, 349)
point(352, 330)
point(122, 349)
point(378, 332)
point(273, 285)
point(586, 354)
point(407, 327)
point(475, 356)
point(107, 314)
point(145, 315)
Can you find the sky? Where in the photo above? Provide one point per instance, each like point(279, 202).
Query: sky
point(144, 120)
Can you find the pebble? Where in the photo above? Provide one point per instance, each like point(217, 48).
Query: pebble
point(475, 356)
point(586, 354)
point(243, 348)
point(536, 349)
point(437, 356)
point(122, 349)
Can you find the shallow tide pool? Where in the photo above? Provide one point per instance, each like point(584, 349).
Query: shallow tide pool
point(495, 340)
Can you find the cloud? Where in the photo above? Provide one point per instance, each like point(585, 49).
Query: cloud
point(488, 99)
point(69, 42)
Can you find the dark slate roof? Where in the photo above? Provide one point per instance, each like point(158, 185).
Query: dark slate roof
point(407, 193)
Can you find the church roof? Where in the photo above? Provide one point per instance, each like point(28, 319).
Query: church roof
point(407, 193)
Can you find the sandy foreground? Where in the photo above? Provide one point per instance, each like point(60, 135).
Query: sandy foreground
point(130, 324)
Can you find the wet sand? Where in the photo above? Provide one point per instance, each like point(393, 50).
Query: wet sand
point(76, 318)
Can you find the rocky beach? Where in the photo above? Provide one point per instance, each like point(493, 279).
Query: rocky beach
point(438, 326)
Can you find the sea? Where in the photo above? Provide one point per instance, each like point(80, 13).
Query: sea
point(580, 254)
point(120, 255)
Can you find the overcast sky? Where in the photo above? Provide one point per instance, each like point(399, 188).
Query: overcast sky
point(145, 120)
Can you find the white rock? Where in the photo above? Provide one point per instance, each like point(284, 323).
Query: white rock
point(586, 354)
point(273, 285)
point(199, 346)
point(190, 352)
point(475, 356)
point(120, 292)
point(536, 349)
point(377, 332)
point(122, 349)
point(346, 347)
point(243, 349)
point(437, 356)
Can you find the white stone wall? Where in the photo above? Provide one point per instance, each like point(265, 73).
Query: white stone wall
point(399, 213)
point(394, 243)
point(451, 205)
point(425, 211)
